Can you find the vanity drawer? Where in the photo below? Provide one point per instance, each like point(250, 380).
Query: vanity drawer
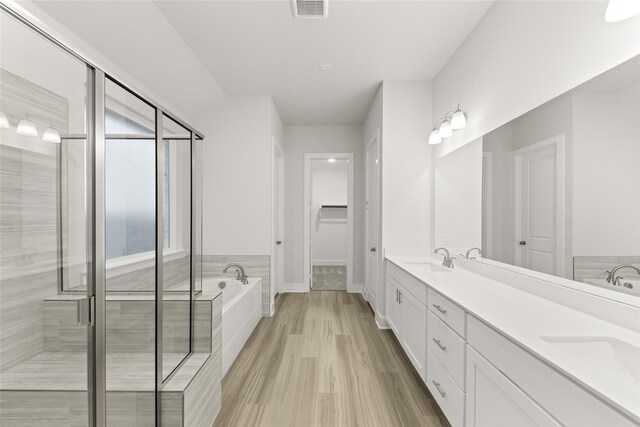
point(445, 391)
point(447, 311)
point(407, 281)
point(447, 347)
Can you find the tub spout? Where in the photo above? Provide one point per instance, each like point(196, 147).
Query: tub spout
point(239, 273)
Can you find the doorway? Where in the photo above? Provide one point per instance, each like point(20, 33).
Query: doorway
point(539, 206)
point(328, 225)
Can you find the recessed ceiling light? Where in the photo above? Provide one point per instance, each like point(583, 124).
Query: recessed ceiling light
point(326, 67)
point(331, 160)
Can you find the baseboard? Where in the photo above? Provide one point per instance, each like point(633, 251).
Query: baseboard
point(381, 321)
point(272, 309)
point(330, 262)
point(296, 287)
point(356, 288)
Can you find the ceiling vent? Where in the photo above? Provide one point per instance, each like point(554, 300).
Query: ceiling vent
point(313, 9)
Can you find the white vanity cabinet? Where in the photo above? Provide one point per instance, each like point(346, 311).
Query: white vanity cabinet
point(446, 355)
point(477, 374)
point(493, 400)
point(407, 317)
point(544, 394)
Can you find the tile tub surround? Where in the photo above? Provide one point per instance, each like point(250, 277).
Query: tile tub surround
point(522, 315)
point(254, 266)
point(595, 267)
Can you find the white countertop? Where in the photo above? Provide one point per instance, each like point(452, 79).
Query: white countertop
point(526, 318)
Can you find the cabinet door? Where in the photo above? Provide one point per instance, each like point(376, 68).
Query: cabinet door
point(393, 307)
point(412, 332)
point(494, 401)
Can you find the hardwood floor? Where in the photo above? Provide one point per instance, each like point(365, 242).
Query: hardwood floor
point(322, 361)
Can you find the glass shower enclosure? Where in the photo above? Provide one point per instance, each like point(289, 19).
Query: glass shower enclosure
point(100, 238)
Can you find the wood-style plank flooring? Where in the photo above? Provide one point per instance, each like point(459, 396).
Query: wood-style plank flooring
point(322, 361)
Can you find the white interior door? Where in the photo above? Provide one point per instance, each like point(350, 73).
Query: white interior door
point(538, 208)
point(277, 224)
point(371, 213)
point(280, 227)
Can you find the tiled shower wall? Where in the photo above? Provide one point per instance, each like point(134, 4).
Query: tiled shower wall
point(29, 239)
point(29, 216)
point(254, 266)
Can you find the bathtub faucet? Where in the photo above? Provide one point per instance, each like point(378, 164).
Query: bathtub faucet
point(239, 273)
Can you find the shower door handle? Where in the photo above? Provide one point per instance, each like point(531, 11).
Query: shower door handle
point(86, 308)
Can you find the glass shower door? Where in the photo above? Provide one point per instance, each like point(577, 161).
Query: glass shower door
point(45, 238)
point(131, 243)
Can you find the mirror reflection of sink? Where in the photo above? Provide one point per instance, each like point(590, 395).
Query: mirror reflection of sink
point(623, 358)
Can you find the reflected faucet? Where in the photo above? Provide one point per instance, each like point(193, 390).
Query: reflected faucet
point(611, 277)
point(447, 261)
point(239, 273)
point(468, 255)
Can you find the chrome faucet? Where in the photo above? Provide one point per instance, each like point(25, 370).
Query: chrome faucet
point(468, 255)
point(239, 273)
point(447, 261)
point(611, 277)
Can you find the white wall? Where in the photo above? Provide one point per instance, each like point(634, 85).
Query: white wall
point(500, 144)
point(237, 176)
point(458, 198)
point(401, 115)
point(606, 203)
point(406, 164)
point(319, 139)
point(508, 66)
point(329, 230)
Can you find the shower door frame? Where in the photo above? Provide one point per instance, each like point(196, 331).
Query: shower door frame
point(96, 209)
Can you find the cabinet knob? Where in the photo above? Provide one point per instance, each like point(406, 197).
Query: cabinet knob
point(372, 249)
point(278, 242)
point(523, 242)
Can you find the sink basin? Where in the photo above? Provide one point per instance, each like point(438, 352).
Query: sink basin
point(622, 358)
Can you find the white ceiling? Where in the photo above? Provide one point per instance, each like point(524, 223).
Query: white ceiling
point(257, 47)
point(136, 38)
point(192, 48)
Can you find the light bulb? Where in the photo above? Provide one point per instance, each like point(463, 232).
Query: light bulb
point(4, 122)
point(458, 120)
point(27, 128)
point(434, 138)
point(619, 10)
point(445, 129)
point(51, 135)
point(331, 160)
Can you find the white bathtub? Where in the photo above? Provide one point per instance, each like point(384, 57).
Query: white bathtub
point(241, 312)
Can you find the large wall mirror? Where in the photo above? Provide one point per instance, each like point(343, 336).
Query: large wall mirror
point(561, 185)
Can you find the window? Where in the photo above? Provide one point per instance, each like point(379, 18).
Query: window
point(130, 189)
